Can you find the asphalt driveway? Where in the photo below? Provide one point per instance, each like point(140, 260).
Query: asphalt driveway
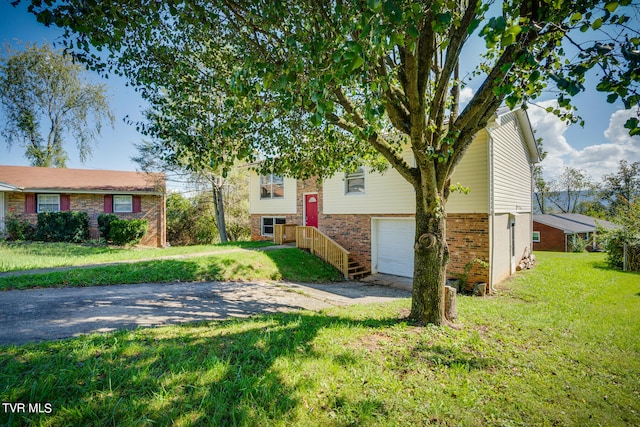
point(51, 314)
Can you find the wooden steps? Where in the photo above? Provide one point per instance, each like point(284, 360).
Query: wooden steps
point(357, 270)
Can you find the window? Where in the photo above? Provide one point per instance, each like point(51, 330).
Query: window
point(48, 203)
point(271, 186)
point(354, 182)
point(268, 223)
point(122, 203)
point(536, 237)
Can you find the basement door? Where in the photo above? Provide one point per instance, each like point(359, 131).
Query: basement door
point(311, 210)
point(393, 245)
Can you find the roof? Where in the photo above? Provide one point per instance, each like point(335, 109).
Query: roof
point(573, 223)
point(37, 179)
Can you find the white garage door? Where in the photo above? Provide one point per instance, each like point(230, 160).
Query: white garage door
point(394, 246)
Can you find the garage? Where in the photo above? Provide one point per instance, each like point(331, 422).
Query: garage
point(393, 245)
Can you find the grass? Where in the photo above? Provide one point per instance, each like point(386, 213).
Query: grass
point(15, 256)
point(559, 345)
point(279, 264)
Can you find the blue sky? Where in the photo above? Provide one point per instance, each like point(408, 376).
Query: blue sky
point(597, 148)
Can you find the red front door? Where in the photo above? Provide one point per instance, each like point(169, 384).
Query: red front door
point(311, 210)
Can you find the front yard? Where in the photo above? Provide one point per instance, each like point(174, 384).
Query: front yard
point(558, 345)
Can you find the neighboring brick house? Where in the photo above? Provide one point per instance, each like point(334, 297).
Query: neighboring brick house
point(29, 190)
point(552, 232)
point(372, 214)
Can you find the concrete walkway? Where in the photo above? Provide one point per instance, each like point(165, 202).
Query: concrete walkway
point(50, 314)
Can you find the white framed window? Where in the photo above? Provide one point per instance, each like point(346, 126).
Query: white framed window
point(267, 224)
point(536, 237)
point(271, 186)
point(122, 203)
point(354, 182)
point(48, 203)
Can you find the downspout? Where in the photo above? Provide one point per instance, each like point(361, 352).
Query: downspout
point(492, 213)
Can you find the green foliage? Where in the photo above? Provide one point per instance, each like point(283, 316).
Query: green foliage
point(46, 101)
point(104, 224)
point(577, 243)
point(62, 227)
point(127, 231)
point(628, 219)
point(19, 228)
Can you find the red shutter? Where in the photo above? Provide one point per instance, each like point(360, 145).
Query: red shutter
point(65, 202)
point(137, 204)
point(108, 203)
point(29, 203)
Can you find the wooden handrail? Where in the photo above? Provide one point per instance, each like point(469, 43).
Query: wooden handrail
point(323, 247)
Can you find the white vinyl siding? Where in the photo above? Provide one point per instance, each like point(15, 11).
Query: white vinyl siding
point(385, 193)
point(512, 171)
point(48, 203)
point(472, 173)
point(278, 206)
point(122, 204)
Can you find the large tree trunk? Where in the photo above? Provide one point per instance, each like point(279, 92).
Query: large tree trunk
point(431, 257)
point(218, 205)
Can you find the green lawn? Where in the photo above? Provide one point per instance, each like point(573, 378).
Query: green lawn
point(558, 345)
point(281, 264)
point(31, 255)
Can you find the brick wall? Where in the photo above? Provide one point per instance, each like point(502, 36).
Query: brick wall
point(153, 210)
point(551, 239)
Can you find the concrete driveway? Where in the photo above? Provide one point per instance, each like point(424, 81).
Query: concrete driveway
point(51, 314)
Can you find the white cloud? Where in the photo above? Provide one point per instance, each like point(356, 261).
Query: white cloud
point(466, 94)
point(596, 160)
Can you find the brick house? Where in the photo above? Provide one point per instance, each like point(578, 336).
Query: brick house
point(552, 232)
point(372, 214)
point(27, 190)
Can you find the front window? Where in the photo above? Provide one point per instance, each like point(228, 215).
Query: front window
point(536, 237)
point(123, 203)
point(48, 203)
point(268, 224)
point(271, 186)
point(354, 182)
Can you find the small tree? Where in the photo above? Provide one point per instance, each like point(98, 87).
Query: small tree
point(46, 100)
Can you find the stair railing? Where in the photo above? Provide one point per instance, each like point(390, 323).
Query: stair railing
point(323, 247)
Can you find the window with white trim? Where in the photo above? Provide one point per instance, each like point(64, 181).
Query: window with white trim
point(271, 186)
point(48, 203)
point(536, 237)
point(267, 224)
point(122, 204)
point(354, 182)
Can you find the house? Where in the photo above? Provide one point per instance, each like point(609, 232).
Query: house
point(26, 191)
point(372, 214)
point(552, 232)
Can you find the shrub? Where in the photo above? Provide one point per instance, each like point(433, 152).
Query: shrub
point(577, 243)
point(104, 224)
point(127, 232)
point(19, 228)
point(62, 227)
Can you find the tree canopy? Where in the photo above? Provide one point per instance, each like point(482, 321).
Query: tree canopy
point(46, 100)
point(318, 86)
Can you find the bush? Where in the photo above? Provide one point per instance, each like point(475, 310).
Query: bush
point(19, 228)
point(62, 227)
point(127, 232)
point(577, 243)
point(104, 224)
